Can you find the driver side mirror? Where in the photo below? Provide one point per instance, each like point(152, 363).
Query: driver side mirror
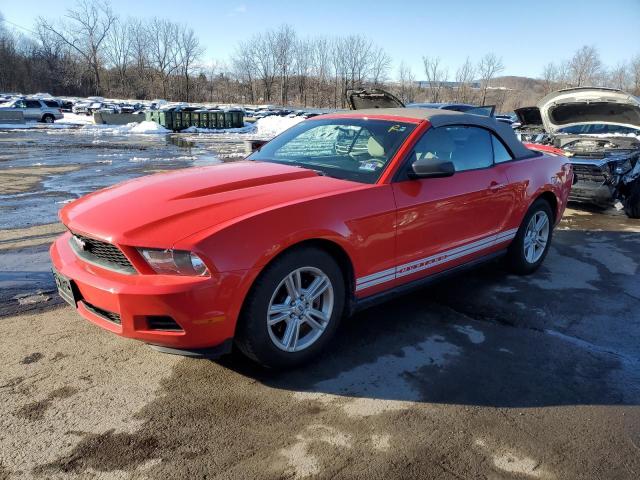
point(431, 168)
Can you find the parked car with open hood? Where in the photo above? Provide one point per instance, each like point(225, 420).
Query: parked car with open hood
point(599, 130)
point(336, 213)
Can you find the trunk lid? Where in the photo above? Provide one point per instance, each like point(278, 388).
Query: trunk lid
point(372, 98)
point(529, 116)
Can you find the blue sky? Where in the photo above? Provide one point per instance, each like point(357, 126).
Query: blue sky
point(527, 35)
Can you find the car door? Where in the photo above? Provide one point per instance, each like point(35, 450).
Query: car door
point(33, 110)
point(443, 222)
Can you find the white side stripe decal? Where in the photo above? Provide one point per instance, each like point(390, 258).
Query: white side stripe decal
point(434, 260)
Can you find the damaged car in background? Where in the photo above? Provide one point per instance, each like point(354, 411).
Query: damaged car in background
point(598, 129)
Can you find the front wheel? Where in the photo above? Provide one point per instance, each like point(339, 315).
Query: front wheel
point(531, 244)
point(293, 309)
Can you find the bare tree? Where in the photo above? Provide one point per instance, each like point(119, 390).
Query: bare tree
point(488, 67)
point(85, 31)
point(338, 62)
point(436, 76)
point(245, 69)
point(620, 76)
point(188, 53)
point(357, 60)
point(406, 84)
point(303, 67)
point(380, 66)
point(550, 77)
point(464, 80)
point(321, 70)
point(635, 74)
point(140, 45)
point(585, 67)
point(163, 52)
point(264, 58)
point(119, 50)
point(283, 44)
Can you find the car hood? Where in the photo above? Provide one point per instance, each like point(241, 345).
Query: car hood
point(157, 211)
point(576, 106)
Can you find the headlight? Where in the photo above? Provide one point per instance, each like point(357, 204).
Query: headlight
point(623, 167)
point(174, 262)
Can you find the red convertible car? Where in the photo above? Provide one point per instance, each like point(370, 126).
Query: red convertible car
point(335, 214)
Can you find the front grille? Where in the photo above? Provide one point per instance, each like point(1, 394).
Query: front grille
point(105, 314)
point(589, 173)
point(158, 322)
point(101, 253)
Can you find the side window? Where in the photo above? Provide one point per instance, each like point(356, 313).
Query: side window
point(500, 153)
point(469, 148)
point(33, 104)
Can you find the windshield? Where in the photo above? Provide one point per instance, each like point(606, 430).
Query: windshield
point(355, 149)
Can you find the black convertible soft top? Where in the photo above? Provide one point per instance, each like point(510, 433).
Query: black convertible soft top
point(439, 118)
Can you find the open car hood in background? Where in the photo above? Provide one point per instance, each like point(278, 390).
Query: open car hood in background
point(582, 105)
point(529, 116)
point(372, 98)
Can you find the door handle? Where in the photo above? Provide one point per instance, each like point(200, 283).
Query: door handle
point(495, 186)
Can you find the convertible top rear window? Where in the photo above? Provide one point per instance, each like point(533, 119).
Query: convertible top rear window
point(357, 149)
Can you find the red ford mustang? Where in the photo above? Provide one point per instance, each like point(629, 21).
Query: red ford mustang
point(336, 213)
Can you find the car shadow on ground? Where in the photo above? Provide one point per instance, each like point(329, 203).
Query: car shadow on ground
point(490, 339)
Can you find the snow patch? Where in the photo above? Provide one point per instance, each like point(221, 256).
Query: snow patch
point(142, 128)
point(475, 336)
point(73, 119)
point(269, 127)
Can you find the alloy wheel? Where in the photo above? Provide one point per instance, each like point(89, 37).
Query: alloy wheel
point(300, 309)
point(536, 236)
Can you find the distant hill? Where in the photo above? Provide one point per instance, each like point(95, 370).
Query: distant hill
point(513, 82)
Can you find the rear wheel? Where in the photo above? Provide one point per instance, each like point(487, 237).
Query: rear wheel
point(632, 201)
point(531, 244)
point(48, 118)
point(293, 309)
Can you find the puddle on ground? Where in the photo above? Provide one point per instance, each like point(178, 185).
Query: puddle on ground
point(62, 168)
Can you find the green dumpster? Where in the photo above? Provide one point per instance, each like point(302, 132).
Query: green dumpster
point(203, 118)
point(165, 118)
point(219, 119)
point(237, 118)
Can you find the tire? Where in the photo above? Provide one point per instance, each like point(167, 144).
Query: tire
point(48, 118)
point(521, 260)
point(632, 200)
point(265, 337)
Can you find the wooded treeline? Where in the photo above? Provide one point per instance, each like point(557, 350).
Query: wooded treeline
point(90, 50)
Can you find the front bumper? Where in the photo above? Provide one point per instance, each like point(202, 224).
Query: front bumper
point(205, 308)
point(591, 192)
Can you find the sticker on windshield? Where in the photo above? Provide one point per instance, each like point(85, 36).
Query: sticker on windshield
point(369, 166)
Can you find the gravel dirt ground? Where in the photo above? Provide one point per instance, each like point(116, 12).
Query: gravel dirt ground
point(484, 376)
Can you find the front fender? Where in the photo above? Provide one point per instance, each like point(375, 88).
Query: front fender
point(360, 222)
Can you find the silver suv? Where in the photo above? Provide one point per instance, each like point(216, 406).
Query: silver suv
point(36, 110)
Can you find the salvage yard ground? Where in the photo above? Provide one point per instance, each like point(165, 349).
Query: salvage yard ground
point(484, 376)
